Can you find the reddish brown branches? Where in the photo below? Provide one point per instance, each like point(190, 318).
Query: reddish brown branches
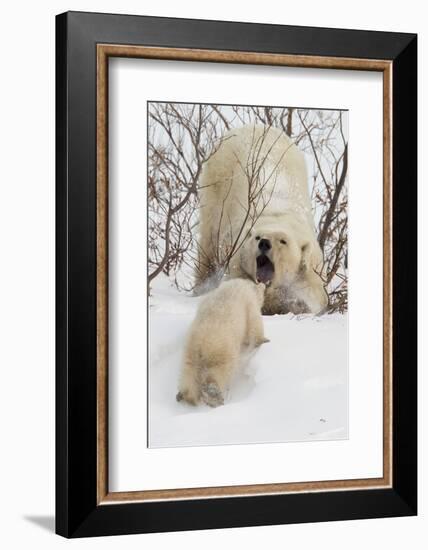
point(183, 136)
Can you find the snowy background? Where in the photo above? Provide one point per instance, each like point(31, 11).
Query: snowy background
point(182, 136)
point(295, 388)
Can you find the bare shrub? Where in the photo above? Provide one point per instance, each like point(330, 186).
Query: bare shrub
point(183, 136)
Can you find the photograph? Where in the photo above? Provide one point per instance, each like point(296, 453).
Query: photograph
point(247, 269)
point(236, 298)
point(213, 266)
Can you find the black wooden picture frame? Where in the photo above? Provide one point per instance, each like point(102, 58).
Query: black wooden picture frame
point(81, 509)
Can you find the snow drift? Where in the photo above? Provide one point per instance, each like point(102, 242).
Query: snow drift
point(294, 388)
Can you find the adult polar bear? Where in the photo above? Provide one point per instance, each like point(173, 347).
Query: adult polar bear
point(256, 218)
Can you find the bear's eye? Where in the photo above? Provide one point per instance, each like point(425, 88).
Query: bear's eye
point(283, 241)
point(257, 238)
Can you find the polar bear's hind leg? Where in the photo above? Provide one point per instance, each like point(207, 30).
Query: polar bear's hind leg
point(189, 389)
point(211, 394)
point(215, 380)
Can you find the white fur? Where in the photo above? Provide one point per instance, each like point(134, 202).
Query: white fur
point(265, 163)
point(228, 324)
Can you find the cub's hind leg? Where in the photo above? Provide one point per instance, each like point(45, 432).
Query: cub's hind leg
point(189, 387)
point(215, 381)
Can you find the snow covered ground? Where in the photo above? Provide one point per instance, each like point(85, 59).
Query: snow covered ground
point(294, 388)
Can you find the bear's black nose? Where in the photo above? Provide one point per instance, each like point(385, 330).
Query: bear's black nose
point(264, 245)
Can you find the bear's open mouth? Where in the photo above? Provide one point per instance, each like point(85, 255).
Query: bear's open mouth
point(265, 269)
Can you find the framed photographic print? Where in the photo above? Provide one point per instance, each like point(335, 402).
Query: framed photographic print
point(236, 274)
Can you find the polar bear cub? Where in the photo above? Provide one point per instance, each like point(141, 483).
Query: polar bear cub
point(228, 323)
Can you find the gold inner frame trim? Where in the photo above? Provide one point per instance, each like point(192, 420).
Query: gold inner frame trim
point(104, 51)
